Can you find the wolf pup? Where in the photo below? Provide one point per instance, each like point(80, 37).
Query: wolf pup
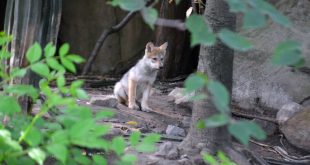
point(136, 84)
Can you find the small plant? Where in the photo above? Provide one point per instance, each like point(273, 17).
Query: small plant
point(27, 139)
point(219, 159)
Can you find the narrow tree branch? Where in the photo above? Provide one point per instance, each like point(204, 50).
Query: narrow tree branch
point(178, 24)
point(103, 37)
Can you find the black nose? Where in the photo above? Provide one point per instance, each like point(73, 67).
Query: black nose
point(160, 67)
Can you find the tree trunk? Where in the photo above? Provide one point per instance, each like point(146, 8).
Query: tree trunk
point(217, 62)
point(180, 58)
point(30, 21)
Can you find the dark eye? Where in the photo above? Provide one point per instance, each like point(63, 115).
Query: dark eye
point(161, 59)
point(154, 59)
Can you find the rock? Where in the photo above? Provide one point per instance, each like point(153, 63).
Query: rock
point(287, 111)
point(173, 154)
point(200, 146)
point(269, 127)
point(168, 150)
point(184, 161)
point(152, 160)
point(113, 133)
point(257, 83)
point(198, 160)
point(104, 101)
point(164, 149)
point(175, 131)
point(297, 130)
point(176, 93)
point(179, 97)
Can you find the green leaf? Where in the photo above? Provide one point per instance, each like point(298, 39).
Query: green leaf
point(21, 90)
point(40, 69)
point(224, 159)
point(16, 72)
point(68, 64)
point(118, 145)
point(217, 120)
point(209, 159)
point(99, 160)
point(151, 138)
point(8, 105)
point(4, 54)
point(34, 53)
point(201, 124)
point(234, 40)
point(77, 84)
point(253, 19)
point(60, 137)
point(287, 53)
point(237, 5)
point(50, 50)
point(150, 16)
point(299, 64)
point(243, 130)
point(105, 113)
point(220, 95)
point(60, 151)
point(148, 143)
point(81, 94)
point(61, 81)
point(267, 8)
point(134, 138)
point(54, 64)
point(83, 160)
point(129, 159)
point(145, 147)
point(195, 82)
point(200, 32)
point(7, 143)
point(37, 154)
point(75, 58)
point(132, 5)
point(198, 97)
point(64, 49)
point(80, 130)
point(34, 137)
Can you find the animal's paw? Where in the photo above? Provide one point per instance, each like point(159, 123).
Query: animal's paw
point(146, 109)
point(134, 106)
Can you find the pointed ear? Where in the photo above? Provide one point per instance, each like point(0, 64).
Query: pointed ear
point(149, 46)
point(164, 46)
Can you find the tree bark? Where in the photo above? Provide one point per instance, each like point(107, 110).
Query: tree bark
point(180, 58)
point(217, 62)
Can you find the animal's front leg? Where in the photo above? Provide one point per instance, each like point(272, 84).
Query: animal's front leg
point(132, 89)
point(144, 104)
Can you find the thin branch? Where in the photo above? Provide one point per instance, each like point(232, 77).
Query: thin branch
point(104, 35)
point(178, 24)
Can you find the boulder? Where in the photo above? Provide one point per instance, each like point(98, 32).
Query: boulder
point(287, 111)
point(175, 131)
point(104, 101)
point(257, 83)
point(297, 130)
point(168, 150)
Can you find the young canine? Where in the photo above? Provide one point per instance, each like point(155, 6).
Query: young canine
point(136, 84)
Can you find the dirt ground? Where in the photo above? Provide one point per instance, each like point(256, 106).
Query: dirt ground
point(275, 150)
